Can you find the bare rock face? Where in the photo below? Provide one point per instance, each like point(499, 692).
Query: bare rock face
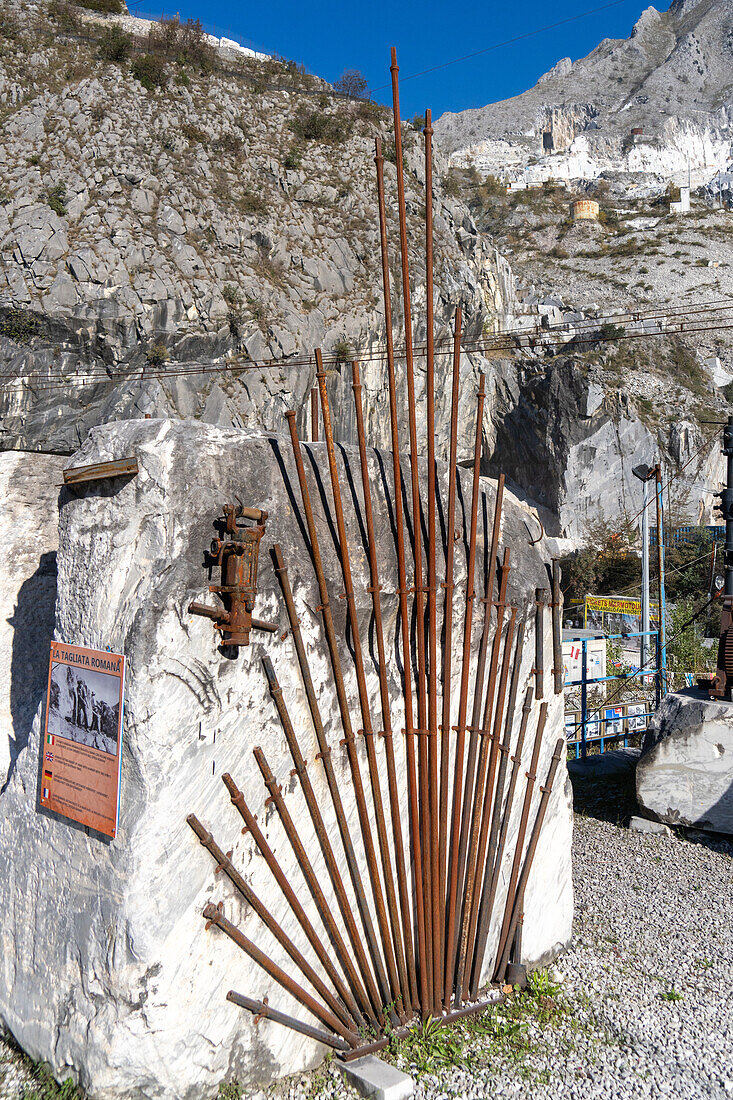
point(685, 772)
point(652, 102)
point(107, 971)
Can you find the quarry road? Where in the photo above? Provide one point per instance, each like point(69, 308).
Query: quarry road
point(642, 1002)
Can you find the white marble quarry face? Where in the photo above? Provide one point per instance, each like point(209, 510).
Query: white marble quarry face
point(685, 772)
point(106, 970)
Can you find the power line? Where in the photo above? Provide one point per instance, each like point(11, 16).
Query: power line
point(506, 42)
point(675, 323)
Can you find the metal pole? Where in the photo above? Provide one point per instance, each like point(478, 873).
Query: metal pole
point(438, 913)
point(448, 628)
point(413, 797)
point(727, 501)
point(261, 1010)
point(463, 706)
point(224, 863)
point(416, 526)
point(546, 791)
point(660, 573)
point(644, 576)
point(213, 915)
point(411, 995)
point(324, 755)
point(393, 948)
point(583, 698)
point(343, 703)
point(314, 415)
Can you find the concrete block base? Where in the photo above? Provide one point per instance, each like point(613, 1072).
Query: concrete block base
point(374, 1078)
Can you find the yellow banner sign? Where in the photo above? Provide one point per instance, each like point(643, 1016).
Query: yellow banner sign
point(613, 605)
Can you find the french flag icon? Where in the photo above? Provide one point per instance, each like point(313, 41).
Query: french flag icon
point(46, 792)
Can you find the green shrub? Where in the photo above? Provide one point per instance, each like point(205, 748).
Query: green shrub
point(56, 199)
point(343, 351)
point(609, 331)
point(451, 185)
point(353, 84)
point(293, 157)
point(63, 15)
point(326, 129)
point(252, 202)
point(157, 354)
point(18, 325)
point(9, 24)
point(115, 44)
point(111, 7)
point(229, 144)
point(151, 71)
point(186, 42)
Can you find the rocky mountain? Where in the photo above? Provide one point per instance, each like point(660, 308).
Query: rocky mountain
point(182, 223)
point(646, 103)
point(219, 212)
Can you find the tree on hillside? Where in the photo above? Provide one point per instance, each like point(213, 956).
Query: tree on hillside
point(353, 84)
point(607, 564)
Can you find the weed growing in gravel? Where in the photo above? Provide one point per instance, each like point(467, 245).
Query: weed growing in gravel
point(504, 1035)
point(670, 994)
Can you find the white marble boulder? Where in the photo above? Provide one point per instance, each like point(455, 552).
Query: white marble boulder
point(29, 491)
point(685, 772)
point(106, 970)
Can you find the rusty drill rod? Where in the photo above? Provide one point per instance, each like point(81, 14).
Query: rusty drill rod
point(477, 697)
point(412, 996)
point(531, 850)
point(542, 597)
point(319, 827)
point(413, 799)
point(521, 833)
point(338, 677)
point(438, 912)
point(398, 975)
point(448, 629)
point(462, 707)
point(324, 755)
point(557, 629)
point(484, 787)
point(416, 535)
point(309, 874)
point(214, 916)
point(238, 801)
point(224, 863)
point(261, 1010)
point(489, 796)
point(314, 415)
point(492, 809)
point(489, 886)
point(471, 790)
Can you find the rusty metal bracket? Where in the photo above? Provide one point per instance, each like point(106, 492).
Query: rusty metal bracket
point(236, 553)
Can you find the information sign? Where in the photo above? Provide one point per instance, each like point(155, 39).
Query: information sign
point(82, 738)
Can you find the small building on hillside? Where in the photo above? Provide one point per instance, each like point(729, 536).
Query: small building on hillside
point(584, 210)
point(681, 205)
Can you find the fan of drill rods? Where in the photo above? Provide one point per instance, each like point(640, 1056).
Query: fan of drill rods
point(417, 951)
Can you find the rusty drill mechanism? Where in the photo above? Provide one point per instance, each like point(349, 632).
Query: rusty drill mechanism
point(237, 554)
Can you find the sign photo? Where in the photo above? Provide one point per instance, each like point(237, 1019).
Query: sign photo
point(82, 742)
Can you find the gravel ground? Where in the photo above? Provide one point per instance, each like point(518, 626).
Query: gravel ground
point(644, 1007)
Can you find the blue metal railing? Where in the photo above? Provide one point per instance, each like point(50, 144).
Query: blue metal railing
point(594, 727)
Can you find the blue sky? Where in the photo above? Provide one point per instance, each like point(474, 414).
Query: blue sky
point(329, 37)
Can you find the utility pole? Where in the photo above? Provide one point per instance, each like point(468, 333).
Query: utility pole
point(723, 684)
point(644, 473)
point(660, 573)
